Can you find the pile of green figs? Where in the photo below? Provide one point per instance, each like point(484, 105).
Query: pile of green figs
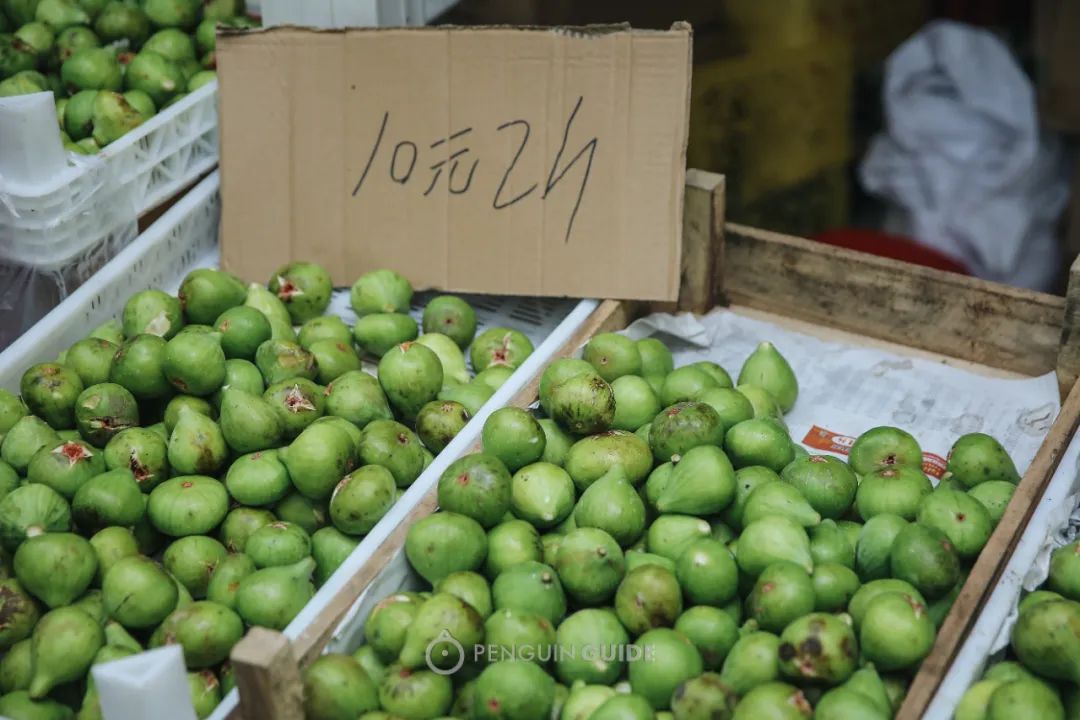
point(1041, 677)
point(206, 462)
point(654, 545)
point(110, 64)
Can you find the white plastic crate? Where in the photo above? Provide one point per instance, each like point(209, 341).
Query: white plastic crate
point(185, 238)
point(46, 225)
point(352, 13)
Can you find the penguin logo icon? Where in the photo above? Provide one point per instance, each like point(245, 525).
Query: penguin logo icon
point(440, 652)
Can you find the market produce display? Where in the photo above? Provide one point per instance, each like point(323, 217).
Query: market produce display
point(1041, 677)
point(201, 466)
point(653, 544)
point(111, 64)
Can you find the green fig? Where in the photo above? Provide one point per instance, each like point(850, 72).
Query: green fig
point(591, 647)
point(411, 375)
point(830, 544)
point(818, 647)
point(225, 578)
point(494, 377)
point(841, 703)
point(518, 635)
point(138, 593)
point(896, 631)
point(531, 587)
point(361, 499)
point(977, 458)
point(258, 297)
point(656, 358)
point(473, 588)
point(860, 601)
point(648, 597)
point(439, 422)
point(1021, 698)
point(63, 645)
point(585, 699)
point(995, 496)
point(685, 384)
point(153, 312)
point(104, 410)
point(303, 287)
point(272, 597)
point(317, 460)
point(783, 593)
point(195, 363)
point(666, 660)
point(611, 504)
point(758, 442)
point(884, 446)
point(370, 662)
point(769, 540)
point(499, 346)
point(65, 467)
point(15, 667)
point(248, 422)
point(205, 630)
point(703, 698)
point(701, 483)
point(962, 518)
point(277, 544)
point(55, 567)
point(357, 397)
point(297, 402)
point(593, 457)
point(766, 368)
point(31, 510)
point(112, 544)
point(707, 572)
point(333, 359)
point(405, 693)
point(684, 426)
point(590, 565)
point(583, 404)
point(613, 356)
point(827, 483)
point(635, 403)
point(325, 327)
point(477, 486)
point(50, 391)
point(754, 660)
point(23, 441)
point(670, 535)
point(894, 490)
point(205, 293)
point(243, 330)
point(112, 498)
point(513, 436)
point(779, 499)
point(542, 494)
point(1043, 639)
point(924, 557)
point(509, 543)
point(91, 358)
point(191, 561)
point(188, 505)
point(557, 442)
point(259, 478)
point(444, 543)
point(92, 68)
point(11, 411)
point(449, 354)
point(113, 117)
point(387, 623)
point(875, 544)
point(746, 481)
point(120, 21)
point(558, 371)
point(336, 687)
point(472, 396)
point(295, 508)
point(139, 366)
point(712, 631)
point(330, 547)
point(514, 689)
point(380, 291)
point(451, 316)
point(440, 616)
point(20, 614)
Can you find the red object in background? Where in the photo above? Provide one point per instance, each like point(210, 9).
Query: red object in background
point(890, 246)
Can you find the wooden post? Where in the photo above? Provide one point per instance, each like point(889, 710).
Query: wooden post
point(702, 242)
point(1068, 360)
point(267, 676)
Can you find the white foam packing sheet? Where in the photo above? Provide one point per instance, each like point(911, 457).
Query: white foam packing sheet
point(848, 389)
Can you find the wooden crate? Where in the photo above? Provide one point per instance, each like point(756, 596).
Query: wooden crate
point(829, 292)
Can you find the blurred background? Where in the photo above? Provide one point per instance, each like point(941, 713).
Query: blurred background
point(941, 132)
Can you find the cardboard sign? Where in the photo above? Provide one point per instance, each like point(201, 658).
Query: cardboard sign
point(536, 161)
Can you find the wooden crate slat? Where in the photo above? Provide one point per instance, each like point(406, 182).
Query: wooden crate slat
point(933, 310)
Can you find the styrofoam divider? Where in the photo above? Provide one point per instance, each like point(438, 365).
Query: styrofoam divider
point(1038, 540)
point(49, 223)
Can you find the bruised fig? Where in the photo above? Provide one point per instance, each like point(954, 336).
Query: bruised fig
point(477, 486)
point(818, 647)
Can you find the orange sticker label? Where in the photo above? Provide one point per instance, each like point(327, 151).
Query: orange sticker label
point(819, 438)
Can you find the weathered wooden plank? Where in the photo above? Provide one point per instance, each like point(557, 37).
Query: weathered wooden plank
point(702, 242)
point(1068, 364)
point(991, 561)
point(267, 677)
point(933, 310)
